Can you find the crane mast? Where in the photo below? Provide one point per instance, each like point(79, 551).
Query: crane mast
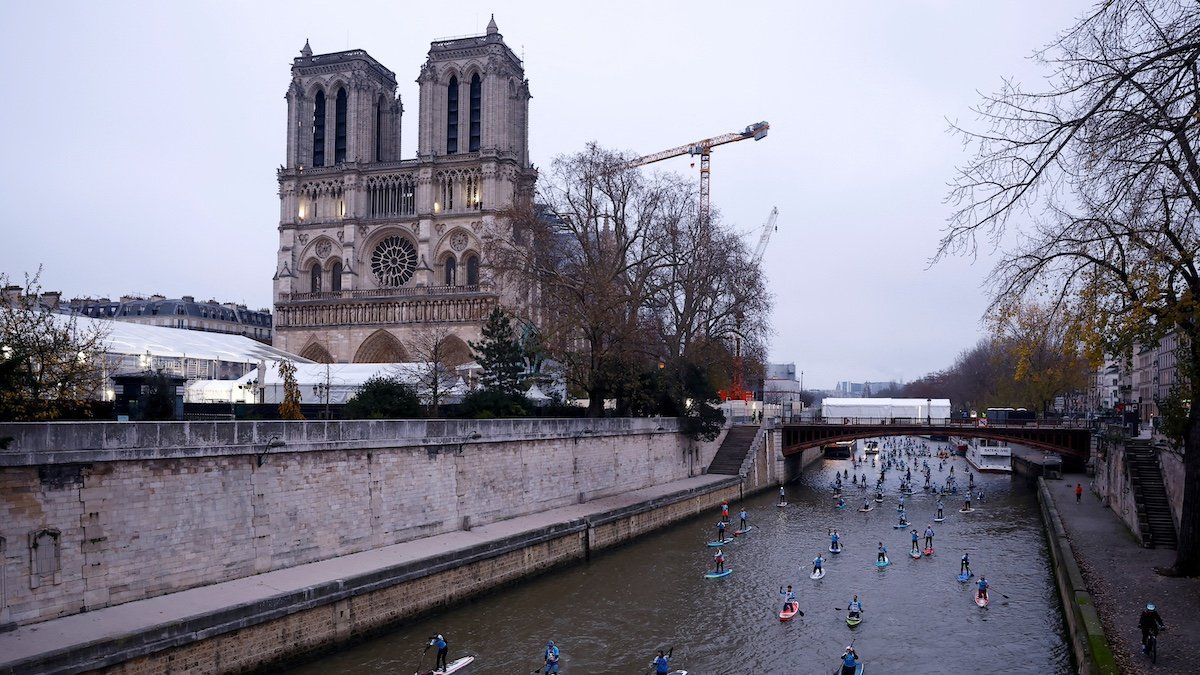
point(757, 131)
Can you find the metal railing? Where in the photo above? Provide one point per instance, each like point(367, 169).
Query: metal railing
point(951, 423)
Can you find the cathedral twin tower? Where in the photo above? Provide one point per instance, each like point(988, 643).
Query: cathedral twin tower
point(371, 246)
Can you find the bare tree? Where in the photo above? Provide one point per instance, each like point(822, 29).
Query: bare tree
point(50, 363)
point(586, 251)
point(1095, 179)
point(437, 351)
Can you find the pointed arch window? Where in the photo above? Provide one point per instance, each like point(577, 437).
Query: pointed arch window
point(318, 156)
point(335, 277)
point(476, 105)
point(472, 270)
point(314, 276)
point(379, 129)
point(452, 116)
point(339, 129)
point(450, 270)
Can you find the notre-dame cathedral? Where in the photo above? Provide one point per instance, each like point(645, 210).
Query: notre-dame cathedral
point(372, 246)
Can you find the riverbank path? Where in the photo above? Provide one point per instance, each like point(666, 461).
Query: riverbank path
point(1120, 577)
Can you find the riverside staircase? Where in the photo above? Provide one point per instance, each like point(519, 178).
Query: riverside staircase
point(1150, 494)
point(732, 453)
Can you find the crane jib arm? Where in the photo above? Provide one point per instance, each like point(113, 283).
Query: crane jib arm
point(757, 131)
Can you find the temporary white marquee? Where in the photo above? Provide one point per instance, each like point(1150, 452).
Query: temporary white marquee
point(937, 409)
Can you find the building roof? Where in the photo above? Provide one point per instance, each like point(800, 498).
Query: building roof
point(174, 307)
point(123, 337)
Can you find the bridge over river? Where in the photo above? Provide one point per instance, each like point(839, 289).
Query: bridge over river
point(1069, 439)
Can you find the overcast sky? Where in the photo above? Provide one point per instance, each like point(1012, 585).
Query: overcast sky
point(142, 138)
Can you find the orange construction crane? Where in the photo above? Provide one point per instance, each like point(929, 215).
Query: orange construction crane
point(757, 131)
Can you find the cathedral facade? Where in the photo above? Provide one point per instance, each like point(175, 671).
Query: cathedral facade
point(373, 248)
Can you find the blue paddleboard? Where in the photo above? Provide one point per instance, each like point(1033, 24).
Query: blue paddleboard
point(965, 575)
point(718, 575)
point(715, 544)
point(883, 563)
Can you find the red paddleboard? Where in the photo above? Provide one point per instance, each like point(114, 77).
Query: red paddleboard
point(982, 602)
point(929, 551)
point(787, 614)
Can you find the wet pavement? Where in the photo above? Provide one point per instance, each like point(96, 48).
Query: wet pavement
point(609, 615)
point(1121, 579)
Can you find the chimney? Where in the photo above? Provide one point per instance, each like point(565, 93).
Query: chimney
point(158, 298)
point(12, 294)
point(51, 299)
point(188, 298)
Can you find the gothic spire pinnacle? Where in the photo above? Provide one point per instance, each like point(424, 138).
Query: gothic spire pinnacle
point(306, 51)
point(492, 29)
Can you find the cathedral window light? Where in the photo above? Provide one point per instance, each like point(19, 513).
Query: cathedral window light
point(339, 131)
point(318, 158)
point(476, 105)
point(452, 117)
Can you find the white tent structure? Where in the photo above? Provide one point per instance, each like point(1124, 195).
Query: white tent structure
point(341, 380)
point(935, 410)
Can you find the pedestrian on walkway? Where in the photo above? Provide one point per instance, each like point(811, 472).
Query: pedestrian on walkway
point(1078, 492)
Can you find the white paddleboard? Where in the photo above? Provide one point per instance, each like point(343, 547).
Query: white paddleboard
point(819, 574)
point(453, 667)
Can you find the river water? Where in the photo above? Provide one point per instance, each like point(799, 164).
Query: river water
point(607, 616)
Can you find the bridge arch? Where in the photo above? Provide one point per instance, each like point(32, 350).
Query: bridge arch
point(1074, 443)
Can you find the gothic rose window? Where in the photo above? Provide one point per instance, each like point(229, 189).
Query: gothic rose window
point(394, 261)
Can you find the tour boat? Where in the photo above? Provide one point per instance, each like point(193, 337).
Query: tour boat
point(986, 454)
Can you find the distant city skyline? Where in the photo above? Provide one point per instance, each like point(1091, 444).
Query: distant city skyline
point(156, 172)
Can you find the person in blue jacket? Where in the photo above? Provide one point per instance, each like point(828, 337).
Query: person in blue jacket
point(983, 588)
point(550, 655)
point(928, 535)
point(720, 530)
point(964, 566)
point(817, 562)
point(882, 552)
point(855, 607)
point(662, 662)
point(915, 539)
point(743, 515)
point(849, 661)
point(442, 648)
point(940, 506)
point(835, 540)
point(789, 598)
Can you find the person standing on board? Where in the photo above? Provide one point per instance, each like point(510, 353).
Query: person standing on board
point(855, 608)
point(662, 662)
point(442, 648)
point(725, 511)
point(940, 506)
point(782, 495)
point(849, 661)
point(789, 598)
point(719, 559)
point(983, 588)
point(1078, 492)
point(882, 552)
point(964, 565)
point(551, 656)
point(720, 530)
point(743, 516)
point(915, 539)
point(928, 535)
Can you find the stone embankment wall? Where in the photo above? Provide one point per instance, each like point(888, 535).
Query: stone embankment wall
point(98, 514)
point(1113, 486)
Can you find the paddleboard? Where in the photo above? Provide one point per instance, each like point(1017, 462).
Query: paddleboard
point(939, 520)
point(781, 504)
point(819, 574)
point(787, 614)
point(835, 550)
point(929, 551)
point(883, 563)
point(900, 526)
point(853, 620)
point(879, 499)
point(858, 670)
point(982, 602)
point(966, 510)
point(915, 555)
point(452, 667)
point(738, 533)
point(718, 575)
point(715, 544)
point(965, 575)
point(866, 509)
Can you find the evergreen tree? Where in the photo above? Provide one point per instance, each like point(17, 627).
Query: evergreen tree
point(383, 398)
point(289, 409)
point(500, 355)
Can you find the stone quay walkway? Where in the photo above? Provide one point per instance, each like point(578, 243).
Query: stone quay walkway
point(90, 635)
point(1121, 579)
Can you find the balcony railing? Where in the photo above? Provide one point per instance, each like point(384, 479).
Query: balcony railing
point(403, 292)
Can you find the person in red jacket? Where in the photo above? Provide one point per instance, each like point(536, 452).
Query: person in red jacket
point(1078, 492)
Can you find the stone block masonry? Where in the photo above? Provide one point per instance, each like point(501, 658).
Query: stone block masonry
point(98, 514)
